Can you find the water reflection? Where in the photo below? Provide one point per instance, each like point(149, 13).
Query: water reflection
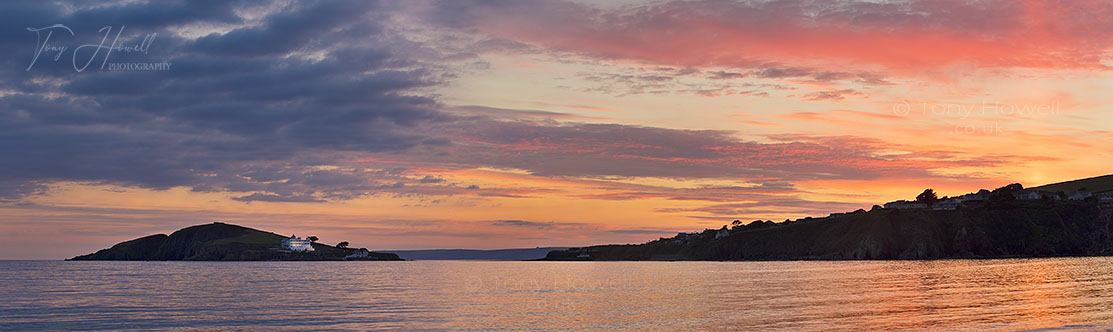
point(1011, 294)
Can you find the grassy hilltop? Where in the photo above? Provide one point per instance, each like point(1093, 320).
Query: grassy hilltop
point(1097, 185)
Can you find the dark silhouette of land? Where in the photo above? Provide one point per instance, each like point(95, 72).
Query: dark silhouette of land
point(225, 242)
point(1073, 218)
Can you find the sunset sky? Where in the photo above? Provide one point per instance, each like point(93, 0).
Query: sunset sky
point(508, 124)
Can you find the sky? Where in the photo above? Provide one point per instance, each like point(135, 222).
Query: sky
point(512, 124)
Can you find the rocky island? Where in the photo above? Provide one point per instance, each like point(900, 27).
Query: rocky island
point(225, 242)
point(1072, 218)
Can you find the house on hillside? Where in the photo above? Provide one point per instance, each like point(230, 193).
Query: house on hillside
point(297, 244)
point(947, 204)
point(683, 237)
point(1027, 195)
point(981, 195)
point(905, 204)
point(1079, 195)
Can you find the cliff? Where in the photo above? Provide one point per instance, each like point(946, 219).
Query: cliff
point(992, 229)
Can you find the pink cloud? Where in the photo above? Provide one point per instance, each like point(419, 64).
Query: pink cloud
point(906, 36)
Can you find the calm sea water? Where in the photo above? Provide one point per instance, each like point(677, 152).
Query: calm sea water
point(1009, 294)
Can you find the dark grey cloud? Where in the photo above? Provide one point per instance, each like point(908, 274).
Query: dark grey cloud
point(556, 227)
point(643, 231)
point(834, 95)
point(232, 105)
point(775, 71)
point(760, 80)
point(604, 150)
point(777, 205)
point(431, 179)
point(258, 197)
point(286, 109)
point(516, 222)
point(290, 30)
point(153, 15)
point(726, 75)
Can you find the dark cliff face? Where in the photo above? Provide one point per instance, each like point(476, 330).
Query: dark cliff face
point(998, 229)
point(218, 242)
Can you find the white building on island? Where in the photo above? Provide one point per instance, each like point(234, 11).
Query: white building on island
point(294, 243)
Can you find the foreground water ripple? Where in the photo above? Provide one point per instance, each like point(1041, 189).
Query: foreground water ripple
point(1004, 294)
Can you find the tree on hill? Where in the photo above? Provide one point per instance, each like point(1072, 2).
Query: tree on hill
point(736, 223)
point(312, 238)
point(1011, 187)
point(927, 197)
point(759, 224)
point(342, 245)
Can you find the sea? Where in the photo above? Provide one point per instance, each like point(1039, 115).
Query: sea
point(1047, 294)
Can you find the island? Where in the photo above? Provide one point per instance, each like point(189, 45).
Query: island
point(226, 242)
point(1073, 218)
